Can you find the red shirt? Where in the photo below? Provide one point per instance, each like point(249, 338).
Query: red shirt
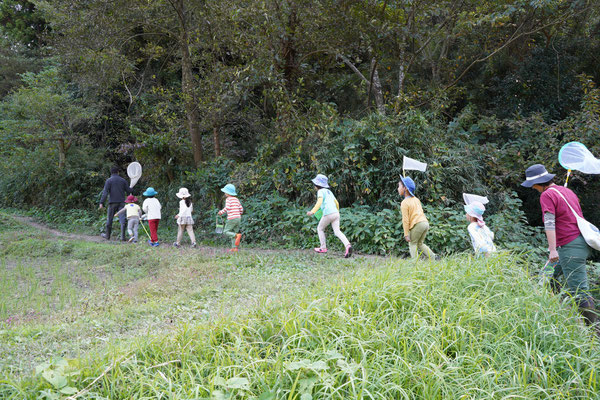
point(566, 223)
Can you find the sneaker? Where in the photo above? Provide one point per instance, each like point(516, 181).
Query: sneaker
point(135, 242)
point(233, 250)
point(320, 250)
point(176, 245)
point(150, 242)
point(131, 239)
point(104, 236)
point(155, 244)
point(193, 245)
point(348, 252)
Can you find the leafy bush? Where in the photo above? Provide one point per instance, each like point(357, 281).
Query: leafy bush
point(33, 178)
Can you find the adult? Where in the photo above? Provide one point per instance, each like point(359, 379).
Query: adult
point(115, 188)
point(565, 243)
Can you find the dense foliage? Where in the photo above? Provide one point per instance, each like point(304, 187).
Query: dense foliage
point(267, 94)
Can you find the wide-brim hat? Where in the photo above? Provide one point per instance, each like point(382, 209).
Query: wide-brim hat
point(229, 189)
point(150, 192)
point(321, 180)
point(183, 193)
point(475, 209)
point(131, 199)
point(536, 174)
point(409, 184)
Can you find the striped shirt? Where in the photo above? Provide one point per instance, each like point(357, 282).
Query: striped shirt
point(233, 208)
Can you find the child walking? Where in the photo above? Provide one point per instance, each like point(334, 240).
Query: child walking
point(151, 206)
point(133, 212)
point(414, 222)
point(234, 211)
point(184, 217)
point(327, 202)
point(482, 238)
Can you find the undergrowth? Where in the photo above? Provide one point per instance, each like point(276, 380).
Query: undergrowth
point(461, 328)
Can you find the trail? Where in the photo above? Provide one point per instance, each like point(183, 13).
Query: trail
point(208, 250)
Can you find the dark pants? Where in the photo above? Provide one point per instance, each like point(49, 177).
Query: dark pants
point(113, 208)
point(572, 263)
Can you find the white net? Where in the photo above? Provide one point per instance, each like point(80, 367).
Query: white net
point(412, 164)
point(576, 156)
point(134, 171)
point(469, 198)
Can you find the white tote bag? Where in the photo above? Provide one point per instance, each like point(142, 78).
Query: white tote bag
point(590, 233)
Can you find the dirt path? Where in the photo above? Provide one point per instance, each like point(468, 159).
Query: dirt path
point(203, 249)
point(31, 222)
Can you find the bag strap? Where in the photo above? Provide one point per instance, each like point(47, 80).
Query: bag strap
point(563, 197)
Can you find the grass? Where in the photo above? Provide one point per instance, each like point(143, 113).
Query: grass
point(133, 324)
point(63, 298)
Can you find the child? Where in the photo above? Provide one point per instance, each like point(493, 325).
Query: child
point(327, 202)
point(234, 211)
point(134, 212)
point(151, 207)
point(414, 222)
point(481, 236)
point(184, 217)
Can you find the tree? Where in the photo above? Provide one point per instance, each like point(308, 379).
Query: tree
point(44, 111)
point(134, 34)
point(20, 23)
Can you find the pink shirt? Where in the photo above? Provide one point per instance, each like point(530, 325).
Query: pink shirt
point(566, 223)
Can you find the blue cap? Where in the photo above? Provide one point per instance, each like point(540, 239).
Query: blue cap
point(409, 184)
point(229, 189)
point(321, 180)
point(535, 175)
point(150, 192)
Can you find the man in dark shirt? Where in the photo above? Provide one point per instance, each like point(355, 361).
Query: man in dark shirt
point(116, 188)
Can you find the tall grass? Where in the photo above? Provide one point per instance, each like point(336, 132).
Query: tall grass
point(457, 329)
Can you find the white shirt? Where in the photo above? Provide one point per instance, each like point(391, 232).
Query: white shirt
point(184, 210)
point(152, 208)
point(482, 239)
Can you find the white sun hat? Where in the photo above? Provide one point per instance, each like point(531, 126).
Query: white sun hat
point(183, 193)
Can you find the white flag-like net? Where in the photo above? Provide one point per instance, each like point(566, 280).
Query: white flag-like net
point(412, 164)
point(134, 171)
point(469, 198)
point(576, 156)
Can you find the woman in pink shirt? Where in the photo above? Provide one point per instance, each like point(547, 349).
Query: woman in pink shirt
point(565, 242)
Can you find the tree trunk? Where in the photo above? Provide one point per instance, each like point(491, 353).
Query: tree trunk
point(376, 87)
point(373, 84)
point(217, 141)
point(401, 75)
point(62, 153)
point(192, 115)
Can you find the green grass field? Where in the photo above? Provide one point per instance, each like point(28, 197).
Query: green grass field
point(107, 321)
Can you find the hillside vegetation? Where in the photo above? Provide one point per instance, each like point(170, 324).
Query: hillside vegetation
point(171, 324)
